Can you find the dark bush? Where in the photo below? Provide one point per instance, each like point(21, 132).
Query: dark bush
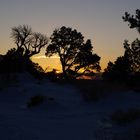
point(35, 70)
point(52, 75)
point(35, 100)
point(117, 71)
point(14, 62)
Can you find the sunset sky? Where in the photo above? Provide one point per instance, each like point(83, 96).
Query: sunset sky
point(98, 20)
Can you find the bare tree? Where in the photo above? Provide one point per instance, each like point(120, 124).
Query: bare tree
point(28, 42)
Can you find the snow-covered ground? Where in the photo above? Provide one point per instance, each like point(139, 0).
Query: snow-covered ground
point(66, 117)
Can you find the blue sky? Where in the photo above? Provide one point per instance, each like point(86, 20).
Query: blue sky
point(99, 20)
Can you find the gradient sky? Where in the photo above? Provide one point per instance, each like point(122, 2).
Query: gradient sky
point(99, 20)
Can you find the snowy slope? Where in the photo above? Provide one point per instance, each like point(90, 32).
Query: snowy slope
point(67, 117)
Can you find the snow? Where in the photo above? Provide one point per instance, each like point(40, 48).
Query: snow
point(66, 117)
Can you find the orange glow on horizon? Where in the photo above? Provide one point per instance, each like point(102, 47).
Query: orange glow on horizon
point(48, 63)
point(54, 63)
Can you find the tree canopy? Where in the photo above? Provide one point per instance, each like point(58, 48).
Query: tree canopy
point(133, 20)
point(118, 70)
point(128, 65)
point(74, 53)
point(132, 51)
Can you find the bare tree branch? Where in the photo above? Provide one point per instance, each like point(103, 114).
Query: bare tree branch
point(31, 42)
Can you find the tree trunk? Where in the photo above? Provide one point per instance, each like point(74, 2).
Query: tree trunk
point(64, 71)
point(63, 68)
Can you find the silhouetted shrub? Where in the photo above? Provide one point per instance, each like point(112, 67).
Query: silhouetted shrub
point(13, 62)
point(35, 70)
point(35, 100)
point(124, 117)
point(117, 71)
point(52, 75)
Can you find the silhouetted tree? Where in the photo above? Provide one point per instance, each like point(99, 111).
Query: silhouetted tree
point(132, 53)
point(28, 43)
point(127, 67)
point(86, 59)
point(74, 54)
point(133, 20)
